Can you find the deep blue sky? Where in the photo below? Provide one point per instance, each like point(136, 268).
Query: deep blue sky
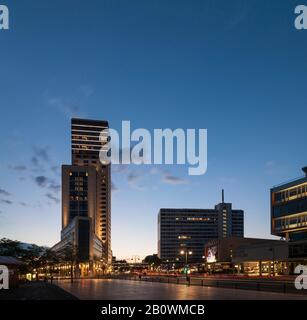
point(237, 68)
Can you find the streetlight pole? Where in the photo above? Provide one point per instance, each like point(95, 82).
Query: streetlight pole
point(186, 253)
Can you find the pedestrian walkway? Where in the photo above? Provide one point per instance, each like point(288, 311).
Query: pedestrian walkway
point(112, 289)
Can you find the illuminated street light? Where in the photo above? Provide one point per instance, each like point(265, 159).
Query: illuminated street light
point(186, 253)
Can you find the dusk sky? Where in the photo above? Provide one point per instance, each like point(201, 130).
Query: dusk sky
point(235, 68)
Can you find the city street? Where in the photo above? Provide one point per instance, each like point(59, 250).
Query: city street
point(110, 289)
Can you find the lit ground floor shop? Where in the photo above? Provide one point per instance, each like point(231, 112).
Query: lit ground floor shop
point(67, 270)
point(259, 257)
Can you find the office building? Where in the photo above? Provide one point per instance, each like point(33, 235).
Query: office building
point(86, 195)
point(182, 233)
point(289, 215)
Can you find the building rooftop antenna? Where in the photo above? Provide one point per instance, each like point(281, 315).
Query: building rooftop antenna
point(222, 195)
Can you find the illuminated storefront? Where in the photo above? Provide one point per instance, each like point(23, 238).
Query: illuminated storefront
point(247, 255)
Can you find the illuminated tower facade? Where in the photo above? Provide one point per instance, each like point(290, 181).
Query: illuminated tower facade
point(88, 138)
point(86, 195)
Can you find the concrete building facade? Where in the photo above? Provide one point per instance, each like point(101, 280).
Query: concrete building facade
point(289, 216)
point(183, 231)
point(86, 195)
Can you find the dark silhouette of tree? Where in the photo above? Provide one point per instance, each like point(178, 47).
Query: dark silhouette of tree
point(153, 260)
point(69, 254)
point(49, 259)
point(11, 248)
point(29, 254)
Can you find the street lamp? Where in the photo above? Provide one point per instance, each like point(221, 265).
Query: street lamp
point(186, 253)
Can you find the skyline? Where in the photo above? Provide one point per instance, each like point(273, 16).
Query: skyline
point(241, 80)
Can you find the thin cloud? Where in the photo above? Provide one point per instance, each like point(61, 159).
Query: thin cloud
point(40, 157)
point(273, 168)
point(34, 161)
point(41, 153)
point(5, 201)
point(4, 192)
point(133, 181)
point(54, 169)
point(18, 167)
point(171, 179)
point(54, 187)
point(132, 177)
point(53, 198)
point(41, 181)
point(168, 178)
point(69, 109)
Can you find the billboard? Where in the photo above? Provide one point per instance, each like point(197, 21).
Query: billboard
point(211, 254)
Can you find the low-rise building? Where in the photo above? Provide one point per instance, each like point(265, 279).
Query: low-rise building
point(247, 255)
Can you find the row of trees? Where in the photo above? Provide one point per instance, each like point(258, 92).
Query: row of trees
point(37, 257)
